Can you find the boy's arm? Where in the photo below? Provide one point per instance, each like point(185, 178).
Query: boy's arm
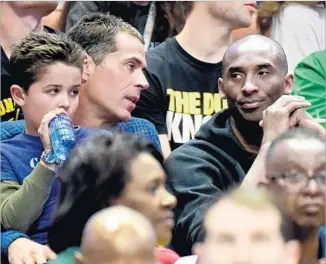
point(21, 205)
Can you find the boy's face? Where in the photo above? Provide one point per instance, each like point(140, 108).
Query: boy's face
point(56, 86)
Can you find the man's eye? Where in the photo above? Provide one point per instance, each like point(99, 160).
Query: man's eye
point(131, 66)
point(235, 75)
point(263, 73)
point(293, 177)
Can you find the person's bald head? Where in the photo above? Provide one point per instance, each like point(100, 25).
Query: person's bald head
point(256, 43)
point(254, 77)
point(117, 235)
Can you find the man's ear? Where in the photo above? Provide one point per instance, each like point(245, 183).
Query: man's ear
point(88, 68)
point(79, 258)
point(288, 84)
point(220, 85)
point(18, 94)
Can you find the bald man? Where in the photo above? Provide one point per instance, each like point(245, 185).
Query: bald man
point(232, 144)
point(117, 235)
point(295, 169)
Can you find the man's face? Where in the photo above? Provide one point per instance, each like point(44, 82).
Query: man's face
point(253, 79)
point(288, 170)
point(56, 86)
point(238, 13)
point(114, 86)
point(243, 235)
point(146, 193)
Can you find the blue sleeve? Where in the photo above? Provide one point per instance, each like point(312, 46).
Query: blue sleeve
point(7, 238)
point(6, 170)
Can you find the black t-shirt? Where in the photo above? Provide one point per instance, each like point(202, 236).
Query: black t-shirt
point(9, 111)
point(183, 92)
point(202, 170)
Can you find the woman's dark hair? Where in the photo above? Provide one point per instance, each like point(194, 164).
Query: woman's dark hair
point(95, 173)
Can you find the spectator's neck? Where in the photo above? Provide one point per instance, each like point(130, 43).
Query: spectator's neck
point(15, 25)
point(91, 115)
point(205, 38)
point(309, 242)
point(250, 134)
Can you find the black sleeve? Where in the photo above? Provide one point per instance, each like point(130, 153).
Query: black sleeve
point(197, 177)
point(152, 104)
point(80, 9)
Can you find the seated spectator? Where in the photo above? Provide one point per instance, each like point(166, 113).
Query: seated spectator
point(246, 226)
point(183, 71)
point(112, 78)
point(257, 87)
point(117, 235)
point(111, 170)
point(49, 69)
point(113, 75)
point(295, 169)
point(298, 26)
point(18, 19)
point(310, 82)
point(98, 79)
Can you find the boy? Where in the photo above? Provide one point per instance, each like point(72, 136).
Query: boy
point(49, 68)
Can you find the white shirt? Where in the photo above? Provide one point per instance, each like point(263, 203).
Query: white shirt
point(300, 30)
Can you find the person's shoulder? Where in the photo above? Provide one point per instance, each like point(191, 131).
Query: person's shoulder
point(315, 61)
point(160, 53)
point(88, 131)
point(136, 122)
point(13, 141)
point(319, 56)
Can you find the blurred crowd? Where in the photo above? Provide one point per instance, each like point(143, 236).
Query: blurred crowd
point(197, 132)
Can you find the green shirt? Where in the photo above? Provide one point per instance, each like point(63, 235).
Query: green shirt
point(310, 82)
point(65, 257)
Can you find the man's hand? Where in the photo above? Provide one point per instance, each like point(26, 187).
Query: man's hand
point(24, 250)
point(302, 119)
point(276, 118)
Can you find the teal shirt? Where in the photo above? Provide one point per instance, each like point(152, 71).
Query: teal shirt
point(310, 82)
point(65, 257)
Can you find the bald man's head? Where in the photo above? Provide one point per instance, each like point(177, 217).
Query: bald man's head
point(117, 235)
point(254, 77)
point(257, 43)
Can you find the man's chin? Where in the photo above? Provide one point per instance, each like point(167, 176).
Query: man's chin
point(252, 117)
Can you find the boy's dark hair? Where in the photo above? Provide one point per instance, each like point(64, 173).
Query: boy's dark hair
point(38, 50)
point(95, 174)
point(96, 33)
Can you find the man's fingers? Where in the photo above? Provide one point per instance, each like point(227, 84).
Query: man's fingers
point(40, 259)
point(292, 106)
point(49, 253)
point(286, 99)
point(313, 125)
